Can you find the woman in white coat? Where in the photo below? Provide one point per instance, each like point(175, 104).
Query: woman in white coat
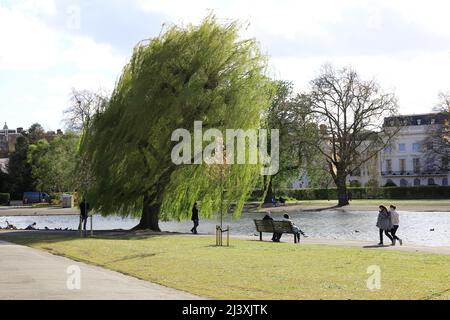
point(395, 219)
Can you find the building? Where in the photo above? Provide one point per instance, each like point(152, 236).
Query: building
point(8, 139)
point(414, 158)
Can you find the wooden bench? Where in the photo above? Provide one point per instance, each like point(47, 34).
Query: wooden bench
point(273, 226)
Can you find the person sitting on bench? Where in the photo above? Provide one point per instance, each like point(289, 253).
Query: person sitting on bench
point(276, 236)
point(295, 228)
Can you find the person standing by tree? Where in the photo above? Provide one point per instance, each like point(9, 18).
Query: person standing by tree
point(84, 213)
point(195, 218)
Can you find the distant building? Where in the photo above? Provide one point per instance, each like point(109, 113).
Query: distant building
point(8, 139)
point(410, 160)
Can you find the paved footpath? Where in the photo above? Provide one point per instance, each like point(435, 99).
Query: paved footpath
point(27, 273)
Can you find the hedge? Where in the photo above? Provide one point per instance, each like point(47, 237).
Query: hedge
point(419, 192)
point(4, 198)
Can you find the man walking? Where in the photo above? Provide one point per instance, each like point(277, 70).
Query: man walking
point(195, 218)
point(84, 213)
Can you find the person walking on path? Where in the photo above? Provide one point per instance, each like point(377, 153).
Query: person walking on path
point(84, 213)
point(195, 218)
point(384, 224)
point(395, 220)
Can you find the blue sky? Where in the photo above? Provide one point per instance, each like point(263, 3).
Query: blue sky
point(48, 47)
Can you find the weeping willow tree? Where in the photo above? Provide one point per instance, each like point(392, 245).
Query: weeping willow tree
point(189, 73)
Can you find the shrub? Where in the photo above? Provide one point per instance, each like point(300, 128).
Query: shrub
point(419, 192)
point(4, 198)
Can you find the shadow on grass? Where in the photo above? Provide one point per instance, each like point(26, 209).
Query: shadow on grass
point(50, 236)
point(375, 246)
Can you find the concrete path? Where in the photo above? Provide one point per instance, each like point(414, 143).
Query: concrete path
point(27, 273)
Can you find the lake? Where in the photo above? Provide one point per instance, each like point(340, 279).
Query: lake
point(415, 227)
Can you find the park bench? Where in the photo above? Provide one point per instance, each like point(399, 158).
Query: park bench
point(273, 226)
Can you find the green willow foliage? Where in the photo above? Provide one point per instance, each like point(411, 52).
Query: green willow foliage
point(192, 73)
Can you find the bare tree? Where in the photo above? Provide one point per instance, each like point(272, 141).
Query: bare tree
point(83, 105)
point(351, 111)
point(437, 143)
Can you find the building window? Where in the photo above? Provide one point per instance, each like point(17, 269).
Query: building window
point(389, 165)
point(416, 165)
point(419, 122)
point(431, 182)
point(416, 147)
point(402, 165)
point(401, 147)
point(403, 183)
point(390, 183)
point(388, 149)
point(445, 182)
point(417, 182)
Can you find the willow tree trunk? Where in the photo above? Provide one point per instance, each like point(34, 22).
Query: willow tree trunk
point(342, 194)
point(150, 215)
point(269, 195)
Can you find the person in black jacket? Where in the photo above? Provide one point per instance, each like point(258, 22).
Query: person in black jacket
point(195, 218)
point(276, 236)
point(84, 213)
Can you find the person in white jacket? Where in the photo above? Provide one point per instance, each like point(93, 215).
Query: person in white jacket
point(395, 219)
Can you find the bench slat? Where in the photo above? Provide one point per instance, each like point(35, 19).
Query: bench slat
point(273, 226)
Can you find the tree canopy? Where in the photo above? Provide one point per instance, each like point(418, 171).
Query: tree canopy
point(53, 163)
point(189, 73)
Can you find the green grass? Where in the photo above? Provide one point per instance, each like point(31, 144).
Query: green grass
point(258, 270)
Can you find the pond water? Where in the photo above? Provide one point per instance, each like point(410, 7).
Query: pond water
point(415, 227)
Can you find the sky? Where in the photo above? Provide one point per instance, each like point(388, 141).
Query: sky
point(48, 47)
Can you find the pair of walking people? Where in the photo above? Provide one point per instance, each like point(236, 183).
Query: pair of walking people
point(388, 223)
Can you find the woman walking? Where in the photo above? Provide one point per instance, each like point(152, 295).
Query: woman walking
point(384, 224)
point(395, 219)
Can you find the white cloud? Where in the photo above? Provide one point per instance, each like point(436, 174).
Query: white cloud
point(29, 44)
point(47, 62)
point(415, 79)
point(286, 18)
point(417, 71)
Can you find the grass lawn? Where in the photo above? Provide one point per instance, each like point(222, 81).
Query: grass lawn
point(258, 270)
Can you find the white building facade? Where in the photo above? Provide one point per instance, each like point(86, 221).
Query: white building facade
point(411, 159)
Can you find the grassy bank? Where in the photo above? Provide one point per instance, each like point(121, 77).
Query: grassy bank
point(255, 270)
point(376, 202)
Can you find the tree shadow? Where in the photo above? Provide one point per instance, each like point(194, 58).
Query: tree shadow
point(375, 246)
point(324, 209)
point(51, 236)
